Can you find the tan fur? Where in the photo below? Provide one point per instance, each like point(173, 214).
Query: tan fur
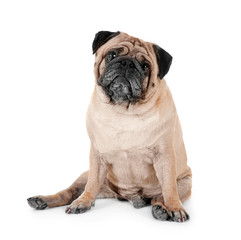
point(141, 145)
point(136, 149)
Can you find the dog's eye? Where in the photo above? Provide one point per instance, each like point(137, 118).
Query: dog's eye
point(111, 55)
point(146, 67)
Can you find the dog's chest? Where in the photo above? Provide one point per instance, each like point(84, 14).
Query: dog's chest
point(112, 132)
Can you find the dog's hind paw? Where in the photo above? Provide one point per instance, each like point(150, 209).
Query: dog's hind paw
point(37, 203)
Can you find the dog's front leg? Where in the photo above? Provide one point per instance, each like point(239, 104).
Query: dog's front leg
point(97, 173)
point(168, 206)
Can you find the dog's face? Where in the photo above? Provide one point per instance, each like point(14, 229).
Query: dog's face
point(128, 69)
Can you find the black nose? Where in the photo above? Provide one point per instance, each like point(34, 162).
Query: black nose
point(127, 63)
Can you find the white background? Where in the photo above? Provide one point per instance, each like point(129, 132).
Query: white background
point(46, 81)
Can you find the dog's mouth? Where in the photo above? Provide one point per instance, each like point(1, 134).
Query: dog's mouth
point(120, 90)
point(122, 80)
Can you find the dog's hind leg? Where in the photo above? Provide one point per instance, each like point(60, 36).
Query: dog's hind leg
point(106, 192)
point(68, 195)
point(61, 198)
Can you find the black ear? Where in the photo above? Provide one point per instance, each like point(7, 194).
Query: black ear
point(164, 61)
point(101, 38)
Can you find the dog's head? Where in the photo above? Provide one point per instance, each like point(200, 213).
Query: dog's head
point(128, 69)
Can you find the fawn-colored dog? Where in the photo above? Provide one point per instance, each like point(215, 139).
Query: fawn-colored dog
point(137, 151)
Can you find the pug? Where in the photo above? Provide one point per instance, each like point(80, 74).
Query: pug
point(137, 153)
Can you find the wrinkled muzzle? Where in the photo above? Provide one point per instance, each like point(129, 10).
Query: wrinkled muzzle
point(122, 80)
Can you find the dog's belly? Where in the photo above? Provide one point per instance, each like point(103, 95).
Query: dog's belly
point(132, 174)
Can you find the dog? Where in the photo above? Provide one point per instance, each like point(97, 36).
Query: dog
point(137, 151)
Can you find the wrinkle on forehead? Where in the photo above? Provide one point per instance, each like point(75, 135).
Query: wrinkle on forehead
point(134, 47)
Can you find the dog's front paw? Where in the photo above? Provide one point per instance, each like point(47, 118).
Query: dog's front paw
point(161, 213)
point(37, 203)
point(178, 216)
point(76, 208)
